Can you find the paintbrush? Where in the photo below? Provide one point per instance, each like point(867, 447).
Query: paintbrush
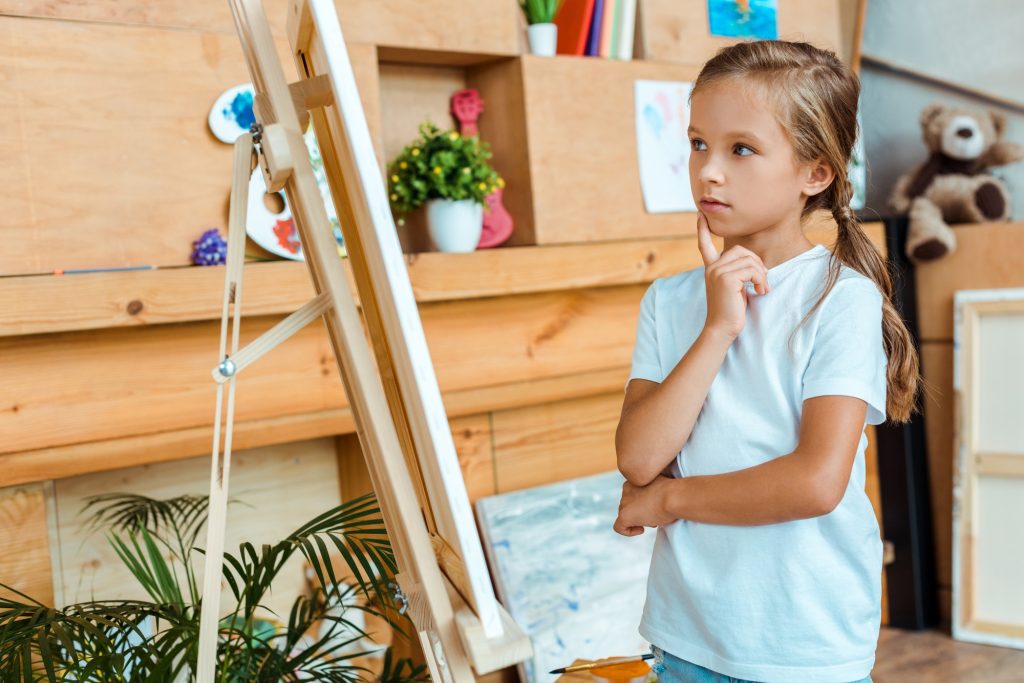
point(606, 662)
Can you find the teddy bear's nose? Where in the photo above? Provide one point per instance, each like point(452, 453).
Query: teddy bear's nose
point(964, 133)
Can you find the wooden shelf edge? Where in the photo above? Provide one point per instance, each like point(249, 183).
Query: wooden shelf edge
point(43, 304)
point(144, 449)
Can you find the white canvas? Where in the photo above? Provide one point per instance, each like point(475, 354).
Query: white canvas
point(988, 476)
point(573, 584)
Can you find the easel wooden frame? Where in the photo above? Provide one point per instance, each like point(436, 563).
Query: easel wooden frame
point(973, 462)
point(400, 418)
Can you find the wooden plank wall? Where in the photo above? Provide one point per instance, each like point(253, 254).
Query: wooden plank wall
point(109, 161)
point(988, 256)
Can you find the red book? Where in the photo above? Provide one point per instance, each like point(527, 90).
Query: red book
point(573, 21)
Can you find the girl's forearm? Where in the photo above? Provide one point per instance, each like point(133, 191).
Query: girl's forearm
point(780, 490)
point(653, 430)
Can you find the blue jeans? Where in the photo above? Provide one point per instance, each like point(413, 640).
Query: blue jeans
point(670, 669)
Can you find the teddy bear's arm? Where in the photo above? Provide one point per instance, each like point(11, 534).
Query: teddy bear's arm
point(899, 200)
point(1001, 154)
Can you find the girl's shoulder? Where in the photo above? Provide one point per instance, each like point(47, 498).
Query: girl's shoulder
point(680, 283)
point(853, 289)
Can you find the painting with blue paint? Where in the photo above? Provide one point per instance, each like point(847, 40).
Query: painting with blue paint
point(743, 18)
point(574, 585)
point(662, 112)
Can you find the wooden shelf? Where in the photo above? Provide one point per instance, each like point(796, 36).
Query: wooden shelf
point(42, 304)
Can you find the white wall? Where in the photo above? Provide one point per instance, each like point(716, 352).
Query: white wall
point(978, 44)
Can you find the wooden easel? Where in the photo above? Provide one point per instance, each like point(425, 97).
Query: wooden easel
point(400, 419)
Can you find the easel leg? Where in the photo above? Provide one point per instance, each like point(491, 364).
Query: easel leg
point(220, 466)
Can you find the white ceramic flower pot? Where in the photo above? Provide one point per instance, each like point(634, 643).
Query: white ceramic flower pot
point(543, 39)
point(455, 226)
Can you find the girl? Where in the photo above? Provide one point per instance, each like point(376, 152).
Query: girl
point(742, 430)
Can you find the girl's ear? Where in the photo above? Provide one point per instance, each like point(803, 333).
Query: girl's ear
point(819, 175)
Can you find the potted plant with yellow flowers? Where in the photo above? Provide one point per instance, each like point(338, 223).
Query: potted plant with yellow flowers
point(449, 174)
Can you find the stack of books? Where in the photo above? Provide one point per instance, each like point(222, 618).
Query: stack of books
point(596, 28)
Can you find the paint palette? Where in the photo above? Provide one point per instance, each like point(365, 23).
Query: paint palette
point(269, 219)
point(231, 114)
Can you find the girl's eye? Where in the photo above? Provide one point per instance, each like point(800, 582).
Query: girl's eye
point(696, 145)
point(743, 147)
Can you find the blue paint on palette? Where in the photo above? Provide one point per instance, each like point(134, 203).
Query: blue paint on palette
point(240, 110)
point(739, 19)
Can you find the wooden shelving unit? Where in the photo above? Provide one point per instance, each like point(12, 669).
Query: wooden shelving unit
point(561, 128)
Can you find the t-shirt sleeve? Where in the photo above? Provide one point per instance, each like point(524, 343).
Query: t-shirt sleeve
point(645, 351)
point(848, 355)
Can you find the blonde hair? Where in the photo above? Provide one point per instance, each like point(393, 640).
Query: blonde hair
point(815, 98)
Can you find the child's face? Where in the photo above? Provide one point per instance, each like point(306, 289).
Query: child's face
point(740, 155)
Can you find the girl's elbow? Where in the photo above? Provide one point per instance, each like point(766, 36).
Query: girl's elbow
point(632, 464)
point(825, 496)
point(632, 467)
point(636, 476)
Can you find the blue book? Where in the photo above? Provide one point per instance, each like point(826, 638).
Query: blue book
point(594, 37)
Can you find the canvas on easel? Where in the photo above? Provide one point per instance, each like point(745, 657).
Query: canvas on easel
point(988, 479)
point(401, 423)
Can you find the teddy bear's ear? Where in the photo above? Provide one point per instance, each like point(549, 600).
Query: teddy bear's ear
point(930, 112)
point(998, 122)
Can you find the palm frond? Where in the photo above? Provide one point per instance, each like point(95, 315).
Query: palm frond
point(157, 641)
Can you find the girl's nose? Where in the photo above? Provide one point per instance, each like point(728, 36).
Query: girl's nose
point(711, 173)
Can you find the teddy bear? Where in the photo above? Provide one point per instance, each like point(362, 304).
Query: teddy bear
point(952, 186)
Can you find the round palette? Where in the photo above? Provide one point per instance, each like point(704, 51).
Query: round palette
point(232, 114)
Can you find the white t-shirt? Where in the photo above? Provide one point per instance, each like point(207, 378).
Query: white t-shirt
point(794, 602)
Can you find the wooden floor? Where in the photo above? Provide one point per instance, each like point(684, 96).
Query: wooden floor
point(934, 657)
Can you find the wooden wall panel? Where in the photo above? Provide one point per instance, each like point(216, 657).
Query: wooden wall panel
point(872, 486)
point(472, 437)
point(486, 27)
point(111, 162)
point(503, 126)
point(279, 488)
point(122, 382)
point(474, 444)
point(555, 441)
point(987, 256)
point(129, 382)
point(24, 543)
point(678, 30)
point(198, 15)
point(481, 26)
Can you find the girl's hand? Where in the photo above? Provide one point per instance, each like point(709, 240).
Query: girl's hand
point(724, 278)
point(642, 506)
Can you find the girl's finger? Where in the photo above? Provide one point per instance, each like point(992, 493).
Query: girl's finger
point(734, 257)
point(736, 262)
point(708, 252)
point(743, 274)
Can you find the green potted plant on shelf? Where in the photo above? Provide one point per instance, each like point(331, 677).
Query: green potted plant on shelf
point(449, 174)
point(542, 31)
point(158, 639)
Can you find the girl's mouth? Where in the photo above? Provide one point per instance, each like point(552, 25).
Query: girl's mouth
point(712, 207)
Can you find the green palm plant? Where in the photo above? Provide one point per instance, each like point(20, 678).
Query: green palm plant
point(157, 639)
